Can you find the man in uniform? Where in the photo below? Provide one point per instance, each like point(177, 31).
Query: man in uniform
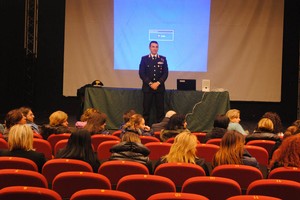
point(153, 71)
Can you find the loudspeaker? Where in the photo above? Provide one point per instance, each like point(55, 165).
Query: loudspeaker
point(205, 85)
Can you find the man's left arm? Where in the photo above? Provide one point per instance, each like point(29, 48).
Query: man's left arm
point(165, 71)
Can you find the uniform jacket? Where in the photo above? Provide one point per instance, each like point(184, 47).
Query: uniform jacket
point(153, 70)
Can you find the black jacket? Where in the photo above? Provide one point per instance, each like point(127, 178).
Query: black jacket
point(132, 151)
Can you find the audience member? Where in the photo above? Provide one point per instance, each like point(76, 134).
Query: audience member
point(80, 147)
point(265, 131)
point(58, 123)
point(13, 117)
point(136, 124)
point(131, 148)
point(288, 154)
point(274, 117)
point(297, 123)
point(163, 124)
point(176, 125)
point(291, 130)
point(84, 117)
point(234, 121)
point(220, 128)
point(27, 112)
point(183, 150)
point(96, 123)
point(232, 151)
point(126, 117)
point(20, 144)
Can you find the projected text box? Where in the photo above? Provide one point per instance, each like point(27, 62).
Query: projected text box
point(161, 35)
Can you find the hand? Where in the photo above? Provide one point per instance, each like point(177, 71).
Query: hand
point(146, 128)
point(155, 85)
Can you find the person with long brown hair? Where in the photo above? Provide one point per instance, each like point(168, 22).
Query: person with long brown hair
point(96, 123)
point(288, 154)
point(232, 151)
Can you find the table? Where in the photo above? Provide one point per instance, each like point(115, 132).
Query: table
point(200, 107)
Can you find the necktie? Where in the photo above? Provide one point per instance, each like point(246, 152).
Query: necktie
point(154, 57)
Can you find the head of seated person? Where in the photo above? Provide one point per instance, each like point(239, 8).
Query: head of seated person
point(58, 123)
point(96, 123)
point(176, 125)
point(130, 148)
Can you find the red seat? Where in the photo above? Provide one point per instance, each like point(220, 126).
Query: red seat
point(147, 139)
point(267, 144)
point(287, 173)
point(117, 133)
point(94, 194)
point(59, 145)
point(216, 141)
point(67, 183)
point(176, 195)
point(36, 135)
point(54, 138)
point(3, 144)
point(179, 172)
point(98, 138)
point(262, 157)
point(7, 162)
point(143, 186)
point(157, 135)
point(55, 166)
point(242, 174)
point(28, 192)
point(114, 170)
point(260, 153)
point(216, 188)
point(43, 146)
point(170, 140)
point(283, 189)
point(200, 136)
point(158, 149)
point(207, 151)
point(103, 150)
point(252, 197)
point(19, 177)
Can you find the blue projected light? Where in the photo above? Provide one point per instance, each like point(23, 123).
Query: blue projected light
point(180, 27)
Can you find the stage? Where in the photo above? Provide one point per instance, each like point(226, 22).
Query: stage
point(200, 107)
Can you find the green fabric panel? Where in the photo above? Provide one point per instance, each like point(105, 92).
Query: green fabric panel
point(201, 107)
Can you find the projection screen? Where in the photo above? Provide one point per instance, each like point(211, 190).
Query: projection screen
point(236, 44)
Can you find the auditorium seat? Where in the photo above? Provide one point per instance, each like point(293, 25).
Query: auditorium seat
point(28, 193)
point(143, 186)
point(19, 177)
point(242, 174)
point(55, 166)
point(176, 195)
point(43, 146)
point(216, 188)
point(67, 183)
point(114, 170)
point(7, 162)
point(96, 194)
point(280, 188)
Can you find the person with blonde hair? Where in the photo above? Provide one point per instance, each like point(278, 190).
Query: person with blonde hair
point(183, 150)
point(20, 144)
point(130, 148)
point(264, 131)
point(232, 151)
point(136, 124)
point(234, 121)
point(58, 123)
point(84, 117)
